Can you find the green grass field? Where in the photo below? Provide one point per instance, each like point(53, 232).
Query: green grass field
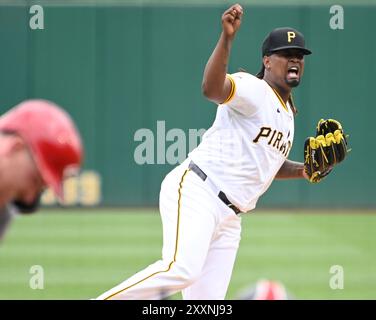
point(84, 253)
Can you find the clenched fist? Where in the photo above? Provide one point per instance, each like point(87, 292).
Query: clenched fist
point(231, 20)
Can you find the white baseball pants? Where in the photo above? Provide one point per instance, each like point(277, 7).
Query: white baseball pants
point(200, 240)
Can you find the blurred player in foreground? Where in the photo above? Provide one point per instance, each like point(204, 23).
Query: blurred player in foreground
point(202, 200)
point(39, 147)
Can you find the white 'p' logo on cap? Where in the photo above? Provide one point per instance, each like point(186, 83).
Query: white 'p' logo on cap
point(290, 35)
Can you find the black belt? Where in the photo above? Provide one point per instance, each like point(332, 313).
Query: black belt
point(221, 195)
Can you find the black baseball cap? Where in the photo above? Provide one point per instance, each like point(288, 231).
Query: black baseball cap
point(284, 38)
point(281, 39)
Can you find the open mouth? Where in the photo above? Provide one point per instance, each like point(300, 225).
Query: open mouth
point(293, 72)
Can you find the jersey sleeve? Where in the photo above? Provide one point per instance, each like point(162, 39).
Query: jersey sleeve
point(247, 93)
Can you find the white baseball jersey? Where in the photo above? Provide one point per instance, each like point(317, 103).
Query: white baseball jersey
point(248, 142)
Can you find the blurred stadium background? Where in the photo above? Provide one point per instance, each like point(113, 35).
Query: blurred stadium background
point(119, 66)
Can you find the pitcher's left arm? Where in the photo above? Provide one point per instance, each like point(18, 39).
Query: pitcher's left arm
point(291, 170)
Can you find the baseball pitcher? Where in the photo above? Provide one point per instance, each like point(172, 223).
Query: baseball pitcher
point(247, 147)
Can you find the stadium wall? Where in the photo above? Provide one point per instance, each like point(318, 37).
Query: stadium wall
point(122, 69)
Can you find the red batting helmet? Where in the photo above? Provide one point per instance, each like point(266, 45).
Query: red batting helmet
point(52, 137)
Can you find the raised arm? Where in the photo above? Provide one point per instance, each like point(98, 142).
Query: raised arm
point(291, 170)
point(215, 86)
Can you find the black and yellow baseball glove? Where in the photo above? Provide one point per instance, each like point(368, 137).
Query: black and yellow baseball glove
point(323, 152)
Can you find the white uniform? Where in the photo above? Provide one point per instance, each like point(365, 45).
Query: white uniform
point(239, 156)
